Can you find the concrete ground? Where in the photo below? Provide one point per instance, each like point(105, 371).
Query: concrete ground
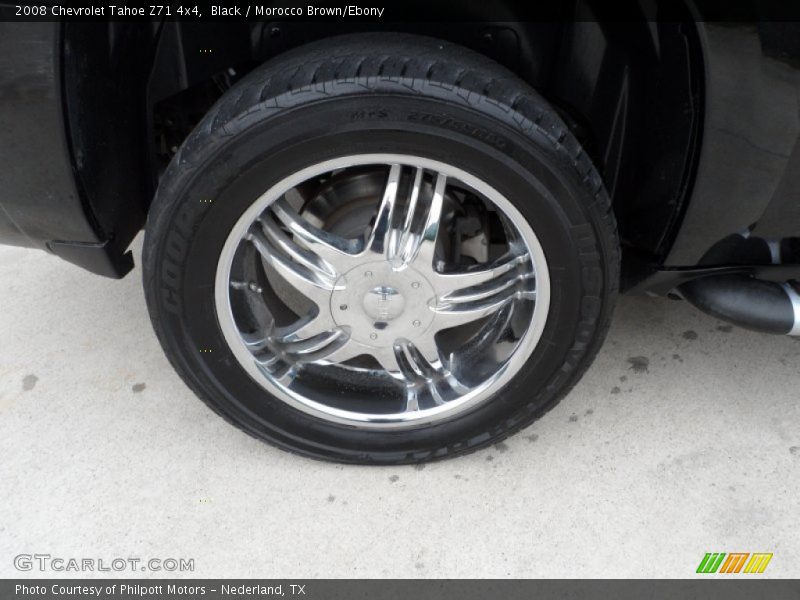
point(682, 439)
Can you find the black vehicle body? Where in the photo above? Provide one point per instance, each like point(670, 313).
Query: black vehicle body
point(693, 125)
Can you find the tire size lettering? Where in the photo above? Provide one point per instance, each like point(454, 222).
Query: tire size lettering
point(460, 126)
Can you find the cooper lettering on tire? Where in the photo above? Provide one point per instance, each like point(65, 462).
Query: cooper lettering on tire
point(407, 255)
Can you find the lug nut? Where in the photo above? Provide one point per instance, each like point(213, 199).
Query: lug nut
point(368, 274)
point(417, 323)
point(343, 307)
point(415, 285)
point(373, 336)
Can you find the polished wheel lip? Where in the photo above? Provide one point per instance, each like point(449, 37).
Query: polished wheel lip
point(394, 421)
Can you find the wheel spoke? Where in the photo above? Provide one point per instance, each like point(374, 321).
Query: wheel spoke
point(313, 340)
point(422, 248)
point(495, 328)
point(316, 347)
point(453, 283)
point(255, 341)
point(378, 241)
point(424, 373)
point(338, 253)
point(415, 240)
point(490, 333)
point(313, 283)
point(399, 237)
point(272, 364)
point(476, 294)
point(308, 336)
point(453, 315)
point(282, 242)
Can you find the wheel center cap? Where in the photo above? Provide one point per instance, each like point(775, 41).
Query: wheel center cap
point(382, 304)
point(379, 304)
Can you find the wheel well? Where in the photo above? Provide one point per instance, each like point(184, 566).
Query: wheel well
point(630, 91)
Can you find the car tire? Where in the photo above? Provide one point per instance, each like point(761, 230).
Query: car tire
point(382, 95)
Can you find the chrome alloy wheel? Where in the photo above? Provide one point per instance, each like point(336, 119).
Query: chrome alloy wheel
point(382, 291)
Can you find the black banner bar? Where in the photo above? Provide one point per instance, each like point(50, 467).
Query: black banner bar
point(388, 11)
point(738, 588)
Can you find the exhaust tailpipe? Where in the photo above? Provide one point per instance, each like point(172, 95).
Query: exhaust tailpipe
point(755, 304)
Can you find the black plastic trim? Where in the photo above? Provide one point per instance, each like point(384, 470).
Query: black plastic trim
point(103, 258)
